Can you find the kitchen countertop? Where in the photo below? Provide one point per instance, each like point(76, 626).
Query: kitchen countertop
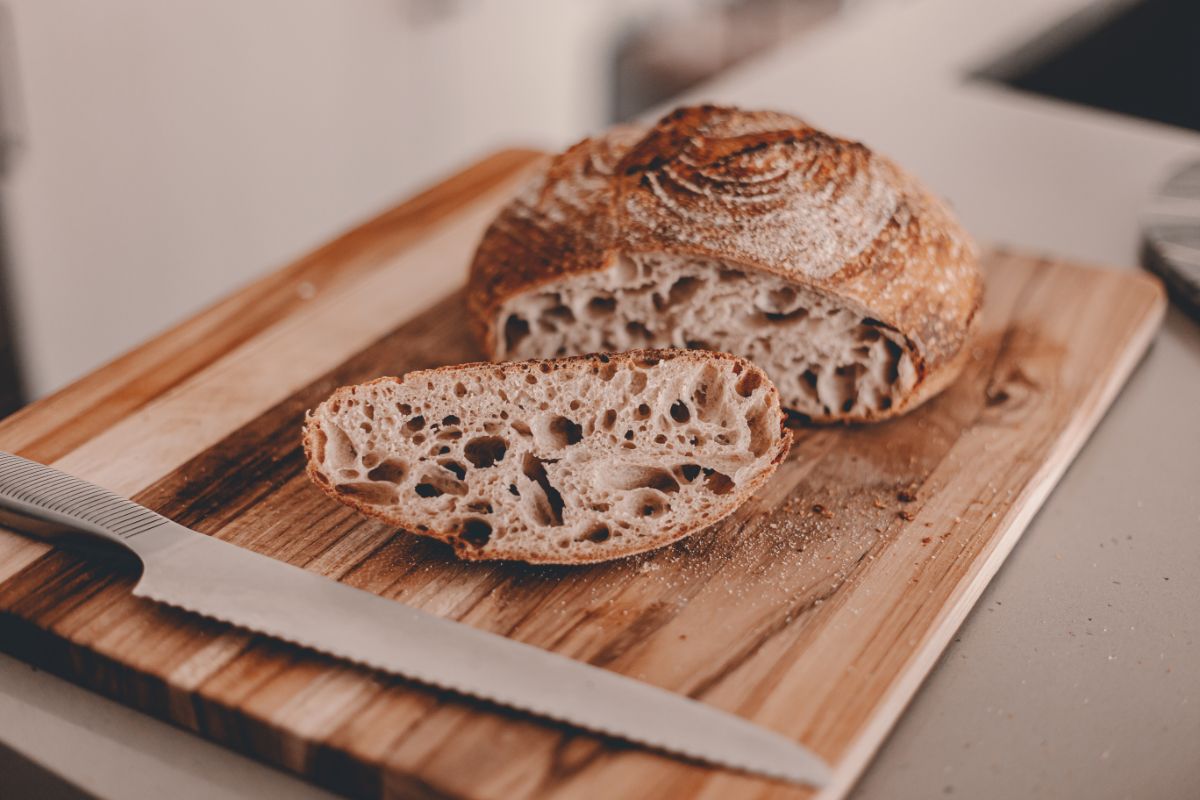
point(1078, 673)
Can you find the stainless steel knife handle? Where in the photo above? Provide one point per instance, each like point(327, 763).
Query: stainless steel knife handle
point(50, 504)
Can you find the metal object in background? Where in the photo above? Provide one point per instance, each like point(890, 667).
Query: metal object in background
point(207, 576)
point(1171, 237)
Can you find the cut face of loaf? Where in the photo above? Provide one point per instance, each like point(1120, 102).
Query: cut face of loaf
point(826, 359)
point(563, 461)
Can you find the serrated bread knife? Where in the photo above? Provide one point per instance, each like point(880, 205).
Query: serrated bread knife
point(210, 577)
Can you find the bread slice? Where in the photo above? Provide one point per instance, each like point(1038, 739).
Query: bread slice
point(741, 231)
point(567, 461)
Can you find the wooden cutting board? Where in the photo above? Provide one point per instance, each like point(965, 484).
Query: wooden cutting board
point(816, 611)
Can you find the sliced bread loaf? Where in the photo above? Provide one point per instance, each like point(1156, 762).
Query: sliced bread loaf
point(748, 232)
point(571, 460)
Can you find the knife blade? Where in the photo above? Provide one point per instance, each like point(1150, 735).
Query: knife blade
point(213, 578)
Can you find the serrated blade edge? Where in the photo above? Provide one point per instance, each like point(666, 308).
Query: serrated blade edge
point(219, 580)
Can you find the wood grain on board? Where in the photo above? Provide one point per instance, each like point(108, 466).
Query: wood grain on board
point(816, 610)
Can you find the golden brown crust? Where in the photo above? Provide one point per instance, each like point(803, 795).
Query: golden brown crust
point(759, 189)
point(394, 516)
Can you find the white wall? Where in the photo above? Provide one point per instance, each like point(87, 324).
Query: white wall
point(174, 149)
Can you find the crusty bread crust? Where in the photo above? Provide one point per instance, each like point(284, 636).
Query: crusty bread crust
point(513, 548)
point(760, 190)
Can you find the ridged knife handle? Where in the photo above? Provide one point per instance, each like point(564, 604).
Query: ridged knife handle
point(48, 503)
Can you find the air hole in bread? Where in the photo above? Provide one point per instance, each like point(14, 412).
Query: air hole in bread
point(549, 505)
point(893, 367)
point(564, 432)
point(639, 330)
point(480, 507)
point(485, 451)
point(365, 427)
point(796, 315)
point(475, 532)
point(319, 442)
point(379, 494)
point(601, 306)
point(390, 471)
point(450, 419)
point(706, 397)
point(515, 329)
point(868, 334)
point(760, 435)
point(561, 312)
point(460, 390)
point(627, 477)
point(750, 381)
point(598, 535)
point(608, 420)
point(782, 298)
point(415, 424)
point(627, 269)
point(349, 473)
point(648, 503)
point(689, 471)
point(454, 468)
point(521, 428)
point(404, 408)
point(340, 449)
point(371, 460)
point(637, 382)
point(680, 412)
point(436, 484)
point(642, 411)
point(718, 482)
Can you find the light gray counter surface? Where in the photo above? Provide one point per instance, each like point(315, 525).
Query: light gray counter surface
point(1078, 673)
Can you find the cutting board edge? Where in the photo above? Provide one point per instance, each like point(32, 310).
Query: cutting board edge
point(851, 767)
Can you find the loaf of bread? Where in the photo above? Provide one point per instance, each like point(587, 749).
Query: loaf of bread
point(566, 461)
point(739, 231)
